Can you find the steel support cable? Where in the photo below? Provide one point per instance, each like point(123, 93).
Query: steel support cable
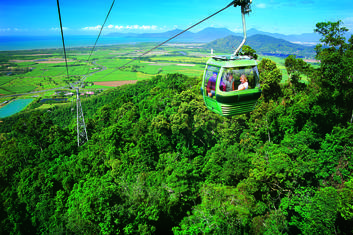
point(111, 7)
point(62, 38)
point(229, 5)
point(80, 118)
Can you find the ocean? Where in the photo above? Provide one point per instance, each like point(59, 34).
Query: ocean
point(11, 43)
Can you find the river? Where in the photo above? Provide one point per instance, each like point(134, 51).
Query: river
point(14, 107)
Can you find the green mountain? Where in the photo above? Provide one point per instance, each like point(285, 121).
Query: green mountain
point(263, 45)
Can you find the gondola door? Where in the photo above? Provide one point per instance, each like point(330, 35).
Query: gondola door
point(210, 86)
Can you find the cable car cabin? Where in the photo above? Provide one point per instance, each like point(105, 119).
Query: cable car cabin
point(221, 82)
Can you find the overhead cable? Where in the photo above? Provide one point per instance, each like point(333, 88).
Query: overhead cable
point(62, 38)
point(229, 5)
point(101, 30)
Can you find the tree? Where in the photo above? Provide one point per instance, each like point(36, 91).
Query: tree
point(315, 212)
point(333, 34)
point(247, 50)
point(336, 69)
point(270, 77)
point(295, 67)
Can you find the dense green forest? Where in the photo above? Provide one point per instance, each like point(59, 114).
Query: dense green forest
point(158, 162)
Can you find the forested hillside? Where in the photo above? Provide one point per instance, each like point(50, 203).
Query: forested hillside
point(262, 44)
point(158, 162)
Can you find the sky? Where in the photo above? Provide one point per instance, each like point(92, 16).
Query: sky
point(85, 17)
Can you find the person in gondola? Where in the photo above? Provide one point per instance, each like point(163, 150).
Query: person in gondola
point(229, 82)
point(211, 85)
point(243, 83)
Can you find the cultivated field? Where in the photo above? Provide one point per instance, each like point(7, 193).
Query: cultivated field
point(44, 71)
point(36, 70)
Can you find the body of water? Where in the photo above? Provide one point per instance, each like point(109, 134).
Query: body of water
point(14, 107)
point(283, 56)
point(10, 43)
point(53, 100)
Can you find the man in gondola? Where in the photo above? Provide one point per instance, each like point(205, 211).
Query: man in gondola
point(229, 83)
point(211, 85)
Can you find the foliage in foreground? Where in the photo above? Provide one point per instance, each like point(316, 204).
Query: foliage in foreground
point(159, 162)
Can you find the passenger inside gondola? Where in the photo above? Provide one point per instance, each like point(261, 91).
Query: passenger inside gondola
point(243, 83)
point(229, 83)
point(211, 85)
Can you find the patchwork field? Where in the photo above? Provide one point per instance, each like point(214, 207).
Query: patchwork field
point(29, 71)
point(115, 83)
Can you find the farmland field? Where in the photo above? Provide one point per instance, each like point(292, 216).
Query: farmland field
point(44, 71)
point(28, 71)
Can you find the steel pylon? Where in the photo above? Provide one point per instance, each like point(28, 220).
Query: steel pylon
point(81, 126)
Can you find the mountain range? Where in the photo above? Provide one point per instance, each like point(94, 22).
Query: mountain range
point(225, 41)
point(262, 44)
point(210, 34)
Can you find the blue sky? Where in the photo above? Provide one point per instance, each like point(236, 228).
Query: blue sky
point(40, 17)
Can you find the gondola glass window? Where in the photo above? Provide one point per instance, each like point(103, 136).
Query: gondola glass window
point(230, 80)
point(211, 75)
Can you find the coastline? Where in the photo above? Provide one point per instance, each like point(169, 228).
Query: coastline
point(14, 43)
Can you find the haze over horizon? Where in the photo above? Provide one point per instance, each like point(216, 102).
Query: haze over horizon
point(40, 18)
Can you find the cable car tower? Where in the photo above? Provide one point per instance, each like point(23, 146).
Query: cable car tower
point(81, 126)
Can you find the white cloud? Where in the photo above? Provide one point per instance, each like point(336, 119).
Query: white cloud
point(118, 27)
point(261, 5)
point(115, 28)
point(348, 23)
point(238, 29)
point(5, 29)
point(92, 28)
point(148, 27)
point(58, 29)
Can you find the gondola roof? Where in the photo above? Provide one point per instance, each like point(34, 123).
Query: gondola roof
point(228, 61)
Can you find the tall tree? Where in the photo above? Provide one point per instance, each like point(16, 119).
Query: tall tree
point(336, 56)
point(270, 77)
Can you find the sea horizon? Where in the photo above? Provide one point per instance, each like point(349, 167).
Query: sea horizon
point(13, 43)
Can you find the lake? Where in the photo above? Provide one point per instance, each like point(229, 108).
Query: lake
point(14, 107)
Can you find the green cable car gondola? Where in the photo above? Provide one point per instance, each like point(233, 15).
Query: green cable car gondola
point(230, 84)
point(221, 83)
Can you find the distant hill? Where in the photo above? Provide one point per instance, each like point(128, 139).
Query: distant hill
point(168, 34)
point(305, 38)
point(205, 35)
point(263, 44)
point(224, 40)
point(210, 34)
